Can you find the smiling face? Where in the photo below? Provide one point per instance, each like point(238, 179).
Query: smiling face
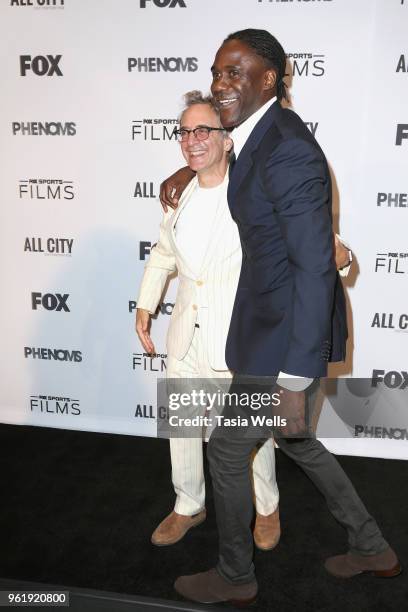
point(208, 155)
point(241, 82)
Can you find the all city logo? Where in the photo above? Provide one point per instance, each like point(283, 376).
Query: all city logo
point(45, 189)
point(50, 301)
point(47, 4)
point(40, 65)
point(390, 320)
point(48, 246)
point(144, 189)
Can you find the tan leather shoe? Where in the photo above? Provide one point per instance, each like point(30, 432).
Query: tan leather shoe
point(175, 526)
point(381, 565)
point(267, 530)
point(209, 587)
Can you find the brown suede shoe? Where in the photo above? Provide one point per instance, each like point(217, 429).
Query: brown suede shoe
point(382, 565)
point(267, 530)
point(174, 527)
point(209, 587)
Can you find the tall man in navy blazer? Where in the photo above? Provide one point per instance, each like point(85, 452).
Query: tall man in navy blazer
point(289, 314)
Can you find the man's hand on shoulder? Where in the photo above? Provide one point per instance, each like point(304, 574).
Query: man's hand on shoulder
point(172, 188)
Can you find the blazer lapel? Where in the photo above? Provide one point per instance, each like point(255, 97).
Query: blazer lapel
point(182, 202)
point(244, 160)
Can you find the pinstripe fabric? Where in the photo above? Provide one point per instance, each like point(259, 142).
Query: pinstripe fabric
point(200, 353)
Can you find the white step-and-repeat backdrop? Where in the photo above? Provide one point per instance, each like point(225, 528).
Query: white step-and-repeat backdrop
point(91, 92)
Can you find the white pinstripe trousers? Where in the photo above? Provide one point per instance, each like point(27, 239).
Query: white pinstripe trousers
point(187, 453)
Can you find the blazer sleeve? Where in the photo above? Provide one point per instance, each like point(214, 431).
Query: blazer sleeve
point(161, 263)
point(297, 181)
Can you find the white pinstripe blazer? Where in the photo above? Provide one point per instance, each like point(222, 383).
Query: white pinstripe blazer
point(214, 287)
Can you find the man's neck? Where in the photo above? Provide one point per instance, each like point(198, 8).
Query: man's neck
point(213, 176)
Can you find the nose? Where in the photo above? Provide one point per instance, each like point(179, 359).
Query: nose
point(219, 84)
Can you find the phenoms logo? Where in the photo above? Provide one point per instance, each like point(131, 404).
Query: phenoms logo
point(166, 308)
point(162, 64)
point(392, 200)
point(49, 128)
point(52, 354)
point(402, 134)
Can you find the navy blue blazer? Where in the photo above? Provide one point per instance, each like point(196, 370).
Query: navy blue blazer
point(289, 313)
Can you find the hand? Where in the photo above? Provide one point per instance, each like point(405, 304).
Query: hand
point(292, 408)
point(142, 326)
point(172, 188)
point(341, 254)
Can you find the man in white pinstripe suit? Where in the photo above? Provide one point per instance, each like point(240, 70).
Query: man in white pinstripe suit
point(200, 240)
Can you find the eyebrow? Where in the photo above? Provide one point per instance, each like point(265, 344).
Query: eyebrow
point(227, 67)
point(183, 127)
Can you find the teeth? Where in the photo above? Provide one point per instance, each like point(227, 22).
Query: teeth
point(227, 102)
point(196, 153)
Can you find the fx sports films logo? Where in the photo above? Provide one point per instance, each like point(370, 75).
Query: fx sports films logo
point(307, 64)
point(45, 189)
point(391, 263)
point(49, 404)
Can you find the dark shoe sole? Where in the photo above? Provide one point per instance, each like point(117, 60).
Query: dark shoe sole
point(388, 573)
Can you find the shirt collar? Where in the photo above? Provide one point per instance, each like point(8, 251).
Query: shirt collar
point(241, 133)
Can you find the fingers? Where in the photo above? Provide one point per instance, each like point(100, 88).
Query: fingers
point(163, 196)
point(142, 330)
point(169, 195)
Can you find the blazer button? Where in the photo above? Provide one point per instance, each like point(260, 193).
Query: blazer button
point(195, 307)
point(199, 283)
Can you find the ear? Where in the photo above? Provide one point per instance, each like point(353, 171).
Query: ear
point(270, 79)
point(228, 144)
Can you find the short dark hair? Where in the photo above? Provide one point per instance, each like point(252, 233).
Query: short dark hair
point(269, 48)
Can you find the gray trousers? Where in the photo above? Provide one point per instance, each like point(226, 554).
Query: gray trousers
point(229, 451)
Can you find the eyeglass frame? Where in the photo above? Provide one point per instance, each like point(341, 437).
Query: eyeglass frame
point(207, 128)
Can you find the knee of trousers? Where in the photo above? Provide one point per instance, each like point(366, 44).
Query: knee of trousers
point(224, 457)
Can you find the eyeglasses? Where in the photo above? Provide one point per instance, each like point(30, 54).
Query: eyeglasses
point(201, 133)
